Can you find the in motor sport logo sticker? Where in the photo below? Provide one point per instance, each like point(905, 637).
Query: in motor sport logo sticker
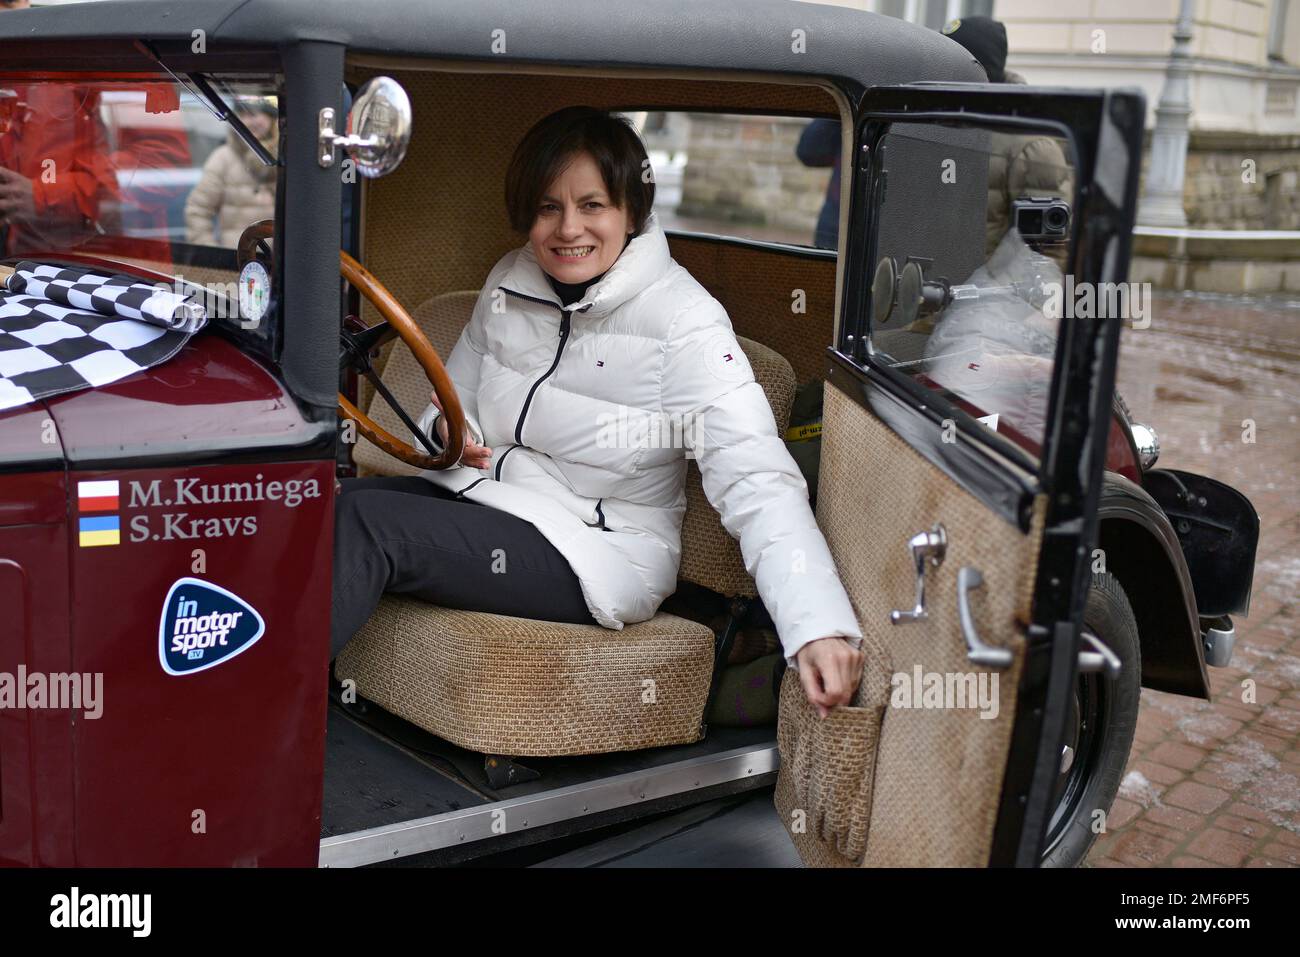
point(204, 625)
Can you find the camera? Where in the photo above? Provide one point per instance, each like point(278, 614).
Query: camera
point(1045, 220)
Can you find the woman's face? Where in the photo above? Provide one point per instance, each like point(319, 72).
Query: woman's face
point(259, 124)
point(578, 233)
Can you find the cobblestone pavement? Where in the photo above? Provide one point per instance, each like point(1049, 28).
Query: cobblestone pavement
point(1218, 782)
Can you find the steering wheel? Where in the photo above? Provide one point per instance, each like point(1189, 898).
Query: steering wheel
point(357, 341)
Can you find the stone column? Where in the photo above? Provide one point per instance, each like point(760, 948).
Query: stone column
point(1161, 203)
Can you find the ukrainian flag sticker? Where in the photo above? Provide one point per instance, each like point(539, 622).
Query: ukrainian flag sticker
point(100, 530)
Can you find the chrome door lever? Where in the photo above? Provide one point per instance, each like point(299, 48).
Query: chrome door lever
point(1100, 658)
point(968, 579)
point(924, 547)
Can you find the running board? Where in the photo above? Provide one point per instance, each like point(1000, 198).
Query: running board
point(488, 821)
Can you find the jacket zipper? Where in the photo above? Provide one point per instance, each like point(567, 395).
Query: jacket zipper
point(501, 461)
point(461, 494)
point(564, 337)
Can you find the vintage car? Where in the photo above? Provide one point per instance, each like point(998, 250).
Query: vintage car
point(992, 508)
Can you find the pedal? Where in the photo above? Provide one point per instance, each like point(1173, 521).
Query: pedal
point(502, 772)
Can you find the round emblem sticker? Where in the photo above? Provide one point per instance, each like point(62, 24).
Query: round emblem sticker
point(723, 358)
point(254, 291)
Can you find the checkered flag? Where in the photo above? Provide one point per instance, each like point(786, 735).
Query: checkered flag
point(48, 347)
point(109, 296)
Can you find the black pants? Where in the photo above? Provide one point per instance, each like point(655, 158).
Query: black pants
point(409, 536)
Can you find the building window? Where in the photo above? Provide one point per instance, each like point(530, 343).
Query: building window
point(1280, 99)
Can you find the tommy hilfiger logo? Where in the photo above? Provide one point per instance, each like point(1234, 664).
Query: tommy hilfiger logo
point(725, 360)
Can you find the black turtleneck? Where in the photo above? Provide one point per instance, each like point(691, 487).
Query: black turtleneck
point(571, 292)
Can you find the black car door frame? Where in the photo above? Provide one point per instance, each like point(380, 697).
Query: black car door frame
point(1105, 128)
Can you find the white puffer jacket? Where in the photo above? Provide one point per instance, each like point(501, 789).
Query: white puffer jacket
point(590, 411)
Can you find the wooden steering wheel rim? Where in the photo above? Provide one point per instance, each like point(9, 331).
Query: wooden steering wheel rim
point(378, 295)
point(246, 248)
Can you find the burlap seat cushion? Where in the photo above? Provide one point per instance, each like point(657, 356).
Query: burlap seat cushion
point(504, 685)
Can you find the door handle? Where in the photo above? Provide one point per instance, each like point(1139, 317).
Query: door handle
point(968, 579)
point(1100, 658)
point(924, 547)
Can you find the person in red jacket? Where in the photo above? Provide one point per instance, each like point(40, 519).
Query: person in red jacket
point(54, 166)
point(58, 170)
point(51, 174)
point(62, 179)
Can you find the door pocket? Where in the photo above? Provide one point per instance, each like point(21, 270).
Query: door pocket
point(828, 767)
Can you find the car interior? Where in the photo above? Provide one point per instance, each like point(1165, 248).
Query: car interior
point(567, 703)
point(466, 708)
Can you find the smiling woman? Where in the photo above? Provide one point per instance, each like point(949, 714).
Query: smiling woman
point(592, 317)
point(576, 189)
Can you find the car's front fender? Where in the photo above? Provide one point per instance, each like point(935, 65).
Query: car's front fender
point(1218, 532)
point(1140, 548)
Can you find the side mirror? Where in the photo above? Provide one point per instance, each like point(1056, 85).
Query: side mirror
point(379, 129)
point(910, 283)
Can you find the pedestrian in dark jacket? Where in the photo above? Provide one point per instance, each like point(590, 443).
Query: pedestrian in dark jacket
point(819, 145)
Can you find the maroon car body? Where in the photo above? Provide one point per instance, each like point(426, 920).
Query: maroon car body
point(136, 783)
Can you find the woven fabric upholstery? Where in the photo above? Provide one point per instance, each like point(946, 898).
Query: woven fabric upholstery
point(938, 772)
point(515, 686)
point(827, 777)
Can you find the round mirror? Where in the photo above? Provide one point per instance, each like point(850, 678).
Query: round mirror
point(910, 281)
point(882, 290)
point(379, 127)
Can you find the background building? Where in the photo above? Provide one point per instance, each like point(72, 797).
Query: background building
point(1242, 173)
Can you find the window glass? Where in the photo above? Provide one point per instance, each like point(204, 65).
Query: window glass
point(768, 178)
point(968, 275)
point(133, 168)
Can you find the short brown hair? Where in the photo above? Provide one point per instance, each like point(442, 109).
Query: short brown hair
point(550, 146)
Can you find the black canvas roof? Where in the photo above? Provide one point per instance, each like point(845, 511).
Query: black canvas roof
point(741, 35)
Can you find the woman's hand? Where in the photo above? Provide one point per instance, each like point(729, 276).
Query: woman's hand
point(475, 456)
point(829, 670)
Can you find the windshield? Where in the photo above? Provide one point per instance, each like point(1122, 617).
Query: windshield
point(134, 168)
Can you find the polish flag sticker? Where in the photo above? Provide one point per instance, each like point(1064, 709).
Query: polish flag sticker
point(97, 496)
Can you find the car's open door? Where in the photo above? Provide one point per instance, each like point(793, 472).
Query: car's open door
point(967, 407)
